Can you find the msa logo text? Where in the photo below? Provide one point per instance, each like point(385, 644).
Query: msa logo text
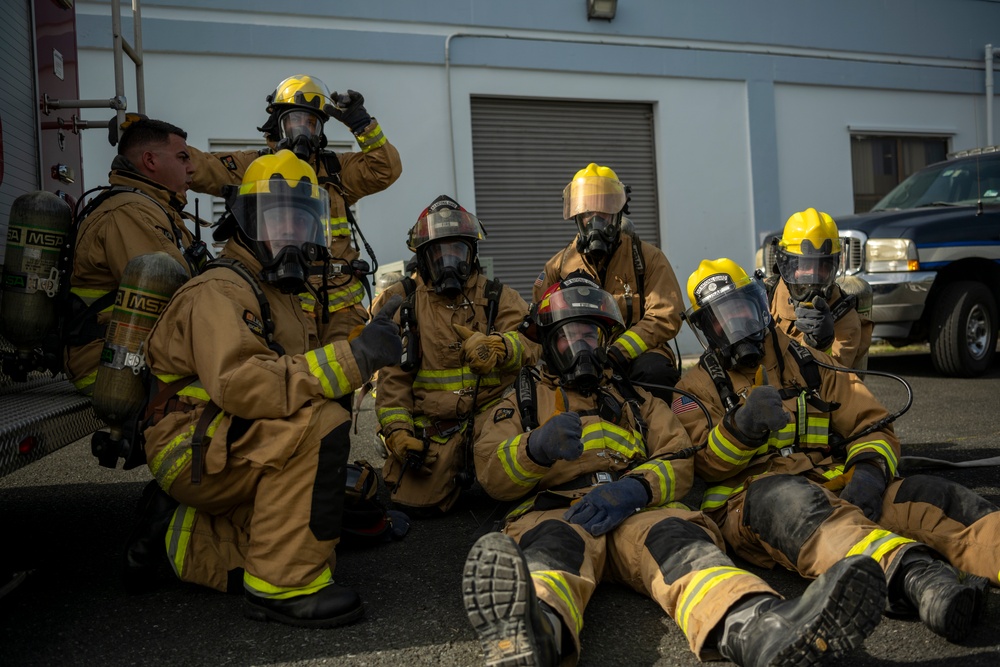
point(141, 302)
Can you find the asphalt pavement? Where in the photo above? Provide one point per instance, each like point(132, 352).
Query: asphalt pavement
point(65, 519)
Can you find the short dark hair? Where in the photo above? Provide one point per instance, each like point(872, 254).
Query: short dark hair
point(147, 132)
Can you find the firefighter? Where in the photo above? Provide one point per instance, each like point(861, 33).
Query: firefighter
point(806, 302)
point(297, 110)
point(636, 273)
point(140, 213)
point(802, 464)
point(462, 352)
point(249, 442)
point(598, 485)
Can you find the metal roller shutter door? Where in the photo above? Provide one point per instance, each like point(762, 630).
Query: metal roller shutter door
point(524, 153)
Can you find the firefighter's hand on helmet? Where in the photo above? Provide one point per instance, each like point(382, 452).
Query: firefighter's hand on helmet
point(349, 109)
point(482, 352)
point(606, 506)
point(560, 438)
point(816, 323)
point(762, 412)
point(865, 489)
point(403, 446)
point(379, 343)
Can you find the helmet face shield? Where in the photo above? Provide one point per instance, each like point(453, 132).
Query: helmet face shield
point(285, 218)
point(807, 276)
point(300, 123)
point(579, 302)
point(444, 223)
point(568, 340)
point(593, 194)
point(734, 315)
point(453, 254)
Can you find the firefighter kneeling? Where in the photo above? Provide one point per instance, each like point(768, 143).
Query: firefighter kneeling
point(600, 479)
point(249, 446)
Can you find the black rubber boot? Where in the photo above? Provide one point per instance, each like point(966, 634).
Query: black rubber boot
point(948, 600)
point(833, 616)
point(329, 607)
point(501, 603)
point(144, 561)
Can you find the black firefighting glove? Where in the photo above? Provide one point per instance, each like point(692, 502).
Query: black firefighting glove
point(865, 489)
point(379, 343)
point(606, 506)
point(350, 110)
point(618, 361)
point(816, 323)
point(762, 412)
point(558, 438)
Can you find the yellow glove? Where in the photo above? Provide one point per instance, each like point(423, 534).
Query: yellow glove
point(401, 444)
point(480, 351)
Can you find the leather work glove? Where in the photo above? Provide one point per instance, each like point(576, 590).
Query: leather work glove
point(350, 110)
point(558, 438)
point(816, 323)
point(482, 352)
point(762, 412)
point(406, 448)
point(606, 506)
point(865, 489)
point(379, 343)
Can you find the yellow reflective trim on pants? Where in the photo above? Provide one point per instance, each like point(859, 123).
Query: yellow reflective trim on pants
point(877, 544)
point(834, 472)
point(324, 366)
point(85, 384)
point(169, 461)
point(702, 582)
point(717, 496)
point(880, 447)
point(726, 450)
point(605, 435)
point(632, 344)
point(178, 537)
point(507, 453)
point(260, 588)
point(664, 472)
point(556, 583)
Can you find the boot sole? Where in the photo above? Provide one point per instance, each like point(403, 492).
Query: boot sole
point(846, 609)
point(497, 590)
point(258, 613)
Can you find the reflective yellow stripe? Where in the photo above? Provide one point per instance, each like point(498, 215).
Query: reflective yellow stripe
point(507, 453)
point(880, 447)
point(702, 582)
point(782, 438)
point(336, 299)
point(324, 366)
point(391, 416)
point(520, 509)
point(834, 472)
point(556, 583)
point(338, 227)
point(717, 496)
point(453, 379)
point(178, 537)
point(801, 416)
point(632, 344)
point(726, 450)
point(817, 431)
point(260, 588)
point(89, 296)
point(371, 140)
point(85, 384)
point(171, 460)
point(877, 544)
point(515, 359)
point(665, 475)
point(605, 435)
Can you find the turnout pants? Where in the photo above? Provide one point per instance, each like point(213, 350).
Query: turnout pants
point(673, 556)
point(272, 508)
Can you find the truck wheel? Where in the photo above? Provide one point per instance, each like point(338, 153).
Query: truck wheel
point(963, 332)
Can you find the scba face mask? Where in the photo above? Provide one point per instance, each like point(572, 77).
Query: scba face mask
point(289, 271)
point(449, 265)
point(599, 233)
point(301, 132)
point(575, 351)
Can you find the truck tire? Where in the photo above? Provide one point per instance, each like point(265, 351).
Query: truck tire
point(963, 333)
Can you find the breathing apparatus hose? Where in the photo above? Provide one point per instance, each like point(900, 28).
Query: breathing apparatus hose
point(687, 452)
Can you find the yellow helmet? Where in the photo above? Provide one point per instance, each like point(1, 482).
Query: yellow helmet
point(594, 189)
point(304, 92)
point(729, 310)
point(808, 254)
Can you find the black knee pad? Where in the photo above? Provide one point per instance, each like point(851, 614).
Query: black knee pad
point(956, 501)
point(553, 545)
point(681, 547)
point(330, 484)
point(784, 511)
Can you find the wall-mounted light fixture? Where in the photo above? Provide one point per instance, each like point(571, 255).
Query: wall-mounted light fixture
point(601, 9)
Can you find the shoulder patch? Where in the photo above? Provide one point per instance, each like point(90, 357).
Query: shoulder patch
point(502, 414)
point(229, 162)
point(253, 323)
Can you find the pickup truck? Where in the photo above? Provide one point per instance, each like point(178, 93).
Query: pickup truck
point(930, 249)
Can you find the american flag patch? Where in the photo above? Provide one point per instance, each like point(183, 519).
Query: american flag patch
point(683, 404)
point(540, 280)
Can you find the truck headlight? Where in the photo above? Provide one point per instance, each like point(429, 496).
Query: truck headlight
point(883, 255)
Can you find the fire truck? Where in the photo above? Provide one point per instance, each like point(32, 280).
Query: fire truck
point(40, 151)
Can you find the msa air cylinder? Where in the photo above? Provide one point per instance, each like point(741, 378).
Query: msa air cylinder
point(39, 224)
point(147, 284)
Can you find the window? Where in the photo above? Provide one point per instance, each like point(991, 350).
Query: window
point(881, 162)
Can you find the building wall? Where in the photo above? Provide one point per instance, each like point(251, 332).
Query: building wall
point(753, 101)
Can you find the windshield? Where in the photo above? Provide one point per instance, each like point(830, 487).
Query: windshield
point(956, 183)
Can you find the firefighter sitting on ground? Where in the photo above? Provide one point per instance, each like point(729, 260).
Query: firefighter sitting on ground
point(297, 110)
point(140, 213)
point(461, 352)
point(636, 273)
point(249, 436)
point(806, 301)
point(600, 481)
point(802, 463)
